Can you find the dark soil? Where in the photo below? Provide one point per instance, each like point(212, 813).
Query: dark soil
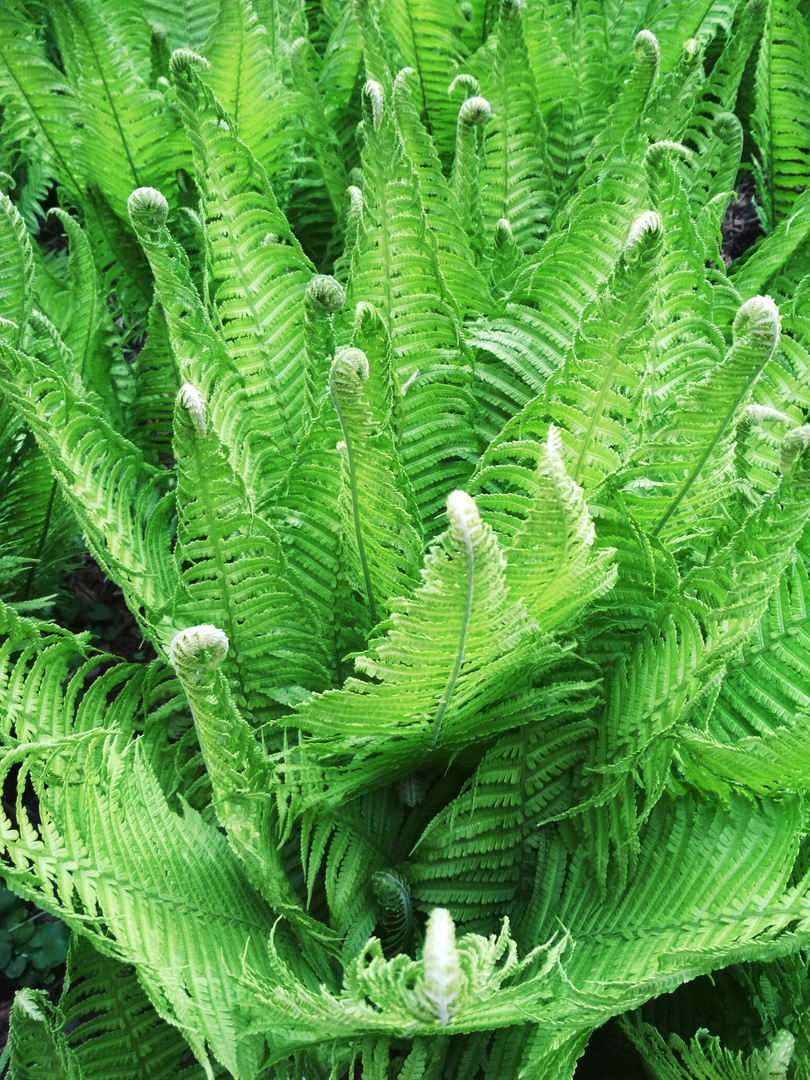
point(741, 225)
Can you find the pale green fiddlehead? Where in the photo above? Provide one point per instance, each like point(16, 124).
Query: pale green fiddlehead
point(323, 298)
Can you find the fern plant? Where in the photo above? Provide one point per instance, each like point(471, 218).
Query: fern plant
point(464, 496)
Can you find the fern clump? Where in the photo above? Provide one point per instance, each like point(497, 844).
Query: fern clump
point(390, 366)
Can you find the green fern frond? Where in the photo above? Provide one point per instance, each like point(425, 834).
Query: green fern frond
point(686, 342)
point(379, 66)
point(89, 334)
point(477, 856)
point(623, 124)
point(127, 133)
point(428, 34)
point(36, 1045)
point(387, 558)
point(782, 115)
point(246, 77)
point(541, 518)
point(668, 111)
point(393, 896)
point(232, 571)
point(465, 285)
point(185, 23)
point(394, 267)
point(763, 692)
point(789, 236)
point(713, 183)
point(36, 95)
point(719, 91)
point(240, 775)
point(259, 274)
point(188, 958)
point(682, 886)
point(673, 1059)
point(17, 274)
point(592, 399)
point(306, 514)
point(553, 289)
point(319, 132)
point(452, 986)
point(677, 485)
point(103, 1026)
point(37, 524)
point(121, 502)
point(156, 386)
point(465, 180)
point(323, 300)
point(200, 353)
point(514, 176)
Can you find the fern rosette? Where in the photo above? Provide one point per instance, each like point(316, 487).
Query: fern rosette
point(393, 362)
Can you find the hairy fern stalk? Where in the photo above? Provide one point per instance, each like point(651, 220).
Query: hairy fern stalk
point(389, 364)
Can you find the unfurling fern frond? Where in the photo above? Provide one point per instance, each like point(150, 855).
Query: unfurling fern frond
point(385, 559)
point(436, 690)
point(672, 485)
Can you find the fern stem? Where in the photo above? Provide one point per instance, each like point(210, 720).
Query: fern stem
point(358, 533)
point(462, 528)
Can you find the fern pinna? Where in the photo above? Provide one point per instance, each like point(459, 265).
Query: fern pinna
point(463, 491)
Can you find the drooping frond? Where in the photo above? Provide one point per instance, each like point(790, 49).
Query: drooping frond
point(121, 502)
point(651, 695)
point(190, 954)
point(17, 274)
point(788, 239)
point(682, 911)
point(36, 95)
point(674, 1059)
point(104, 1026)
